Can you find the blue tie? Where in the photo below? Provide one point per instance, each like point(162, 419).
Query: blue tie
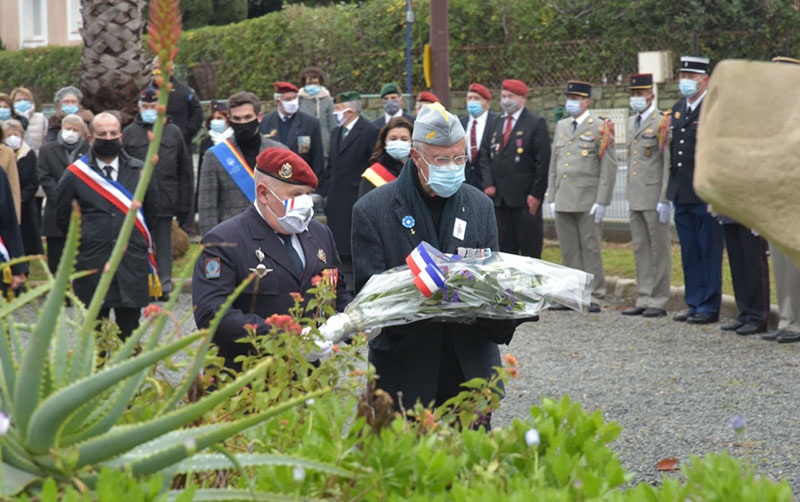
point(298, 263)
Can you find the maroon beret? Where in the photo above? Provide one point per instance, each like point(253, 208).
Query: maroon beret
point(427, 96)
point(285, 165)
point(516, 86)
point(481, 90)
point(281, 87)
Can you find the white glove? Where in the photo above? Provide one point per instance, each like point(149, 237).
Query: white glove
point(323, 349)
point(553, 207)
point(335, 328)
point(599, 212)
point(664, 209)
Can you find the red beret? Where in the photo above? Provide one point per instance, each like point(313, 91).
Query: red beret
point(481, 90)
point(285, 165)
point(516, 86)
point(427, 96)
point(281, 87)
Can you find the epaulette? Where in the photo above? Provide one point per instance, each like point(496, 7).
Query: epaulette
point(667, 112)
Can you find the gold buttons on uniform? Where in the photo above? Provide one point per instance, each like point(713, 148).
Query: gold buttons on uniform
point(585, 153)
point(635, 162)
point(635, 152)
point(634, 173)
point(636, 142)
point(570, 142)
point(565, 175)
point(566, 165)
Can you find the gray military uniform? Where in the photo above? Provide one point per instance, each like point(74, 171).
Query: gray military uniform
point(648, 175)
point(787, 288)
point(583, 168)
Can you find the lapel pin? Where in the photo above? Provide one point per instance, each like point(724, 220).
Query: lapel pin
point(260, 254)
point(322, 256)
point(261, 270)
point(408, 222)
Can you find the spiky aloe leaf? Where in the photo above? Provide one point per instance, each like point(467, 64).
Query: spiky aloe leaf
point(15, 480)
point(230, 494)
point(215, 461)
point(122, 439)
point(34, 293)
point(29, 380)
point(8, 367)
point(51, 414)
point(170, 456)
point(60, 352)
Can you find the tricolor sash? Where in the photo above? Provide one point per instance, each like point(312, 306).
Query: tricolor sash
point(378, 175)
point(237, 168)
point(121, 198)
point(428, 277)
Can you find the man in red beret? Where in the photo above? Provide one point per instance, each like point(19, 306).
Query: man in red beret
point(478, 123)
point(425, 98)
point(299, 131)
point(277, 239)
point(514, 171)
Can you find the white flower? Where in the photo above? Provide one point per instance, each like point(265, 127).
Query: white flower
point(299, 474)
point(5, 423)
point(310, 402)
point(532, 437)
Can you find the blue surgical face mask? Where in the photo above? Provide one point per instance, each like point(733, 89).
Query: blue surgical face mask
point(149, 116)
point(638, 103)
point(312, 89)
point(445, 180)
point(218, 125)
point(22, 106)
point(688, 87)
point(573, 107)
point(69, 109)
point(474, 108)
point(5, 113)
point(398, 149)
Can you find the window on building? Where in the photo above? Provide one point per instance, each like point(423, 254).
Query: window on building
point(74, 20)
point(33, 21)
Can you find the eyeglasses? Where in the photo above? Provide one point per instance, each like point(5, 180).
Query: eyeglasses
point(445, 161)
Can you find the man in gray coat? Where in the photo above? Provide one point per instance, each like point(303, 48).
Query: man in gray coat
point(583, 168)
point(648, 175)
point(428, 361)
point(226, 186)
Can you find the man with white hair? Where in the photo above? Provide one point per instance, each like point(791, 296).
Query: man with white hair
point(68, 102)
point(276, 238)
point(428, 202)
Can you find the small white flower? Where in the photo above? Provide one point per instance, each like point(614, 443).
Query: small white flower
point(532, 437)
point(310, 401)
point(299, 474)
point(5, 423)
point(191, 445)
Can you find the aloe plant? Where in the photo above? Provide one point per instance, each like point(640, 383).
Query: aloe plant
point(62, 413)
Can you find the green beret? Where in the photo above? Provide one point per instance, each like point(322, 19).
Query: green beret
point(390, 89)
point(347, 96)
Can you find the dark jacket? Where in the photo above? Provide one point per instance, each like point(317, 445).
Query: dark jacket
point(54, 124)
point(54, 157)
point(270, 295)
point(381, 121)
point(407, 357)
point(173, 173)
point(473, 173)
point(391, 165)
point(304, 137)
point(347, 161)
point(184, 109)
point(101, 223)
point(9, 227)
point(521, 167)
point(683, 131)
point(30, 221)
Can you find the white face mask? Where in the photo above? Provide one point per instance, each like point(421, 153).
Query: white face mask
point(291, 107)
point(13, 142)
point(299, 211)
point(70, 137)
point(340, 117)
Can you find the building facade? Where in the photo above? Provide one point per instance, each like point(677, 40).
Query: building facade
point(34, 23)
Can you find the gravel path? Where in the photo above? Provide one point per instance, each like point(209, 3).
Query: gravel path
point(671, 386)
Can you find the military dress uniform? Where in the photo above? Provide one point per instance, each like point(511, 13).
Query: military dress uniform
point(698, 231)
point(583, 168)
point(648, 175)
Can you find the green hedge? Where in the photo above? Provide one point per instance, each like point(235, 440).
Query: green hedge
point(361, 46)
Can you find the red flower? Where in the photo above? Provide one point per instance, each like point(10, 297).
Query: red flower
point(336, 348)
point(283, 323)
point(512, 372)
point(510, 360)
point(251, 327)
point(297, 297)
point(152, 310)
point(316, 280)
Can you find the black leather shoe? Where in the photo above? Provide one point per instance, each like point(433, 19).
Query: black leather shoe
point(653, 312)
point(735, 325)
point(772, 335)
point(789, 337)
point(750, 329)
point(594, 308)
point(634, 311)
point(699, 318)
point(682, 317)
point(557, 306)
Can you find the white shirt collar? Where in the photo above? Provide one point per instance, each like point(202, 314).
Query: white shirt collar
point(580, 118)
point(349, 126)
point(390, 117)
point(693, 106)
point(283, 116)
point(515, 115)
point(483, 116)
point(114, 167)
point(645, 114)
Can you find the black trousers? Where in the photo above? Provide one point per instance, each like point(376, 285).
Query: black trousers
point(55, 246)
point(127, 319)
point(747, 254)
point(519, 231)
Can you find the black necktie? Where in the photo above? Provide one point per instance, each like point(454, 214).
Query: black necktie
point(108, 169)
point(574, 125)
point(638, 121)
point(344, 133)
point(287, 243)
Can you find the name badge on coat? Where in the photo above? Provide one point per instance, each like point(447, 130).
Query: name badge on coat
point(459, 229)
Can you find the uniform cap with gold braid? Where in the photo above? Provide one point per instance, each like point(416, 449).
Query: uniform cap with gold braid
point(149, 94)
point(784, 59)
point(641, 81)
point(436, 126)
point(695, 64)
point(579, 88)
point(287, 166)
